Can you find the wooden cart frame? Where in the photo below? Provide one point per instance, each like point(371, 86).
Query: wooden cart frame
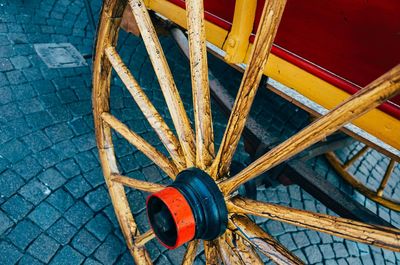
point(195, 148)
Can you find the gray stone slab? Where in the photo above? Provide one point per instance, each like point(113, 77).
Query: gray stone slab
point(29, 260)
point(67, 256)
point(34, 191)
point(16, 207)
point(62, 231)
point(109, 251)
point(10, 182)
point(9, 255)
point(60, 55)
point(5, 222)
point(24, 233)
point(43, 248)
point(97, 199)
point(61, 200)
point(52, 178)
point(44, 215)
point(79, 214)
point(85, 242)
point(99, 226)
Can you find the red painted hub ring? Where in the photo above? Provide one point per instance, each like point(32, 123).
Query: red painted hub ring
point(181, 213)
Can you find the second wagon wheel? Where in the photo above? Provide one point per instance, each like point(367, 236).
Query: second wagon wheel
point(202, 202)
point(346, 162)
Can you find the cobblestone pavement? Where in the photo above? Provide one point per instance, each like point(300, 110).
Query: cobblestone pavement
point(54, 206)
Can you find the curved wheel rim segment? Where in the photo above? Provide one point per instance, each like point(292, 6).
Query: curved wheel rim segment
point(195, 148)
point(375, 195)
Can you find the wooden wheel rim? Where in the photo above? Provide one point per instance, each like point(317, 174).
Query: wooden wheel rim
point(358, 185)
point(181, 148)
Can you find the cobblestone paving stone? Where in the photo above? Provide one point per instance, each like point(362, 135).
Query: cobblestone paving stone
point(54, 206)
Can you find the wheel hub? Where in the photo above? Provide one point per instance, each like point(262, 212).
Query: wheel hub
point(192, 207)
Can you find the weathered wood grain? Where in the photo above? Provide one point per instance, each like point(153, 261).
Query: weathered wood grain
point(142, 145)
point(270, 20)
point(366, 99)
point(167, 84)
point(166, 136)
point(200, 86)
point(190, 253)
point(242, 248)
point(211, 253)
point(355, 183)
point(107, 36)
point(385, 179)
point(228, 255)
point(145, 186)
point(142, 239)
point(379, 236)
point(354, 158)
point(262, 241)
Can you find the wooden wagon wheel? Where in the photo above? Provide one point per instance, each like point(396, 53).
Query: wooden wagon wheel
point(375, 194)
point(203, 192)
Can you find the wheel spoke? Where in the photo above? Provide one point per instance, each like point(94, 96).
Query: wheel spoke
point(107, 36)
point(379, 236)
point(190, 253)
point(366, 99)
point(200, 86)
point(127, 223)
point(167, 84)
point(242, 248)
point(211, 253)
point(262, 240)
point(150, 187)
point(121, 207)
point(386, 177)
point(228, 255)
point(141, 256)
point(159, 159)
point(142, 239)
point(149, 111)
point(355, 157)
point(266, 32)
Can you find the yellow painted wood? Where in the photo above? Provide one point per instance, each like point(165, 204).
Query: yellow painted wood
point(214, 34)
point(375, 122)
point(154, 118)
point(355, 157)
point(386, 177)
point(386, 86)
point(237, 43)
point(231, 249)
point(270, 18)
point(165, 79)
point(200, 86)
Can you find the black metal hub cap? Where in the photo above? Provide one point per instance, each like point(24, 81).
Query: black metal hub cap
point(193, 204)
